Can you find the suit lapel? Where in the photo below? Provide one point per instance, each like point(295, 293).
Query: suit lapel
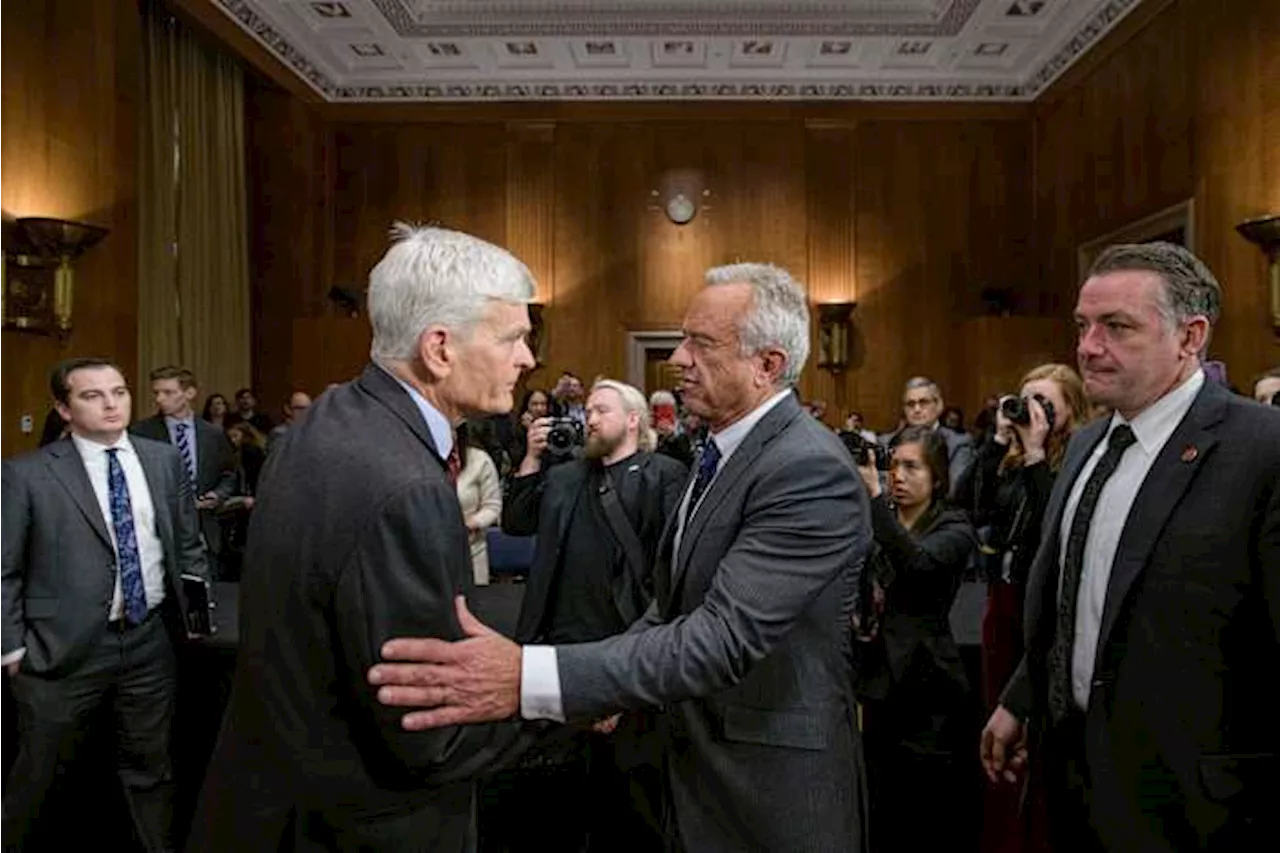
point(1168, 480)
point(67, 466)
point(153, 471)
point(742, 459)
point(387, 391)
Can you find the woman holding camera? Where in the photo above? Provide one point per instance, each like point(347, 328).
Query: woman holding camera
point(1006, 492)
point(912, 684)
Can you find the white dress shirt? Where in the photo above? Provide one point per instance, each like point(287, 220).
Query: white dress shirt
point(540, 697)
point(150, 550)
point(1152, 428)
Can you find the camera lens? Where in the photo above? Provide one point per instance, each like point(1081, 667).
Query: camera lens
point(1016, 410)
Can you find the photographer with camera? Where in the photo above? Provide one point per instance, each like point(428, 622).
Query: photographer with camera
point(598, 518)
point(911, 681)
point(1006, 492)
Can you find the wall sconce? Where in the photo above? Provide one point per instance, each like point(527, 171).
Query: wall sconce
point(834, 335)
point(680, 195)
point(538, 334)
point(38, 283)
point(1264, 232)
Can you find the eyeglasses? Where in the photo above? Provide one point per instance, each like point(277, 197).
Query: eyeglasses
point(919, 404)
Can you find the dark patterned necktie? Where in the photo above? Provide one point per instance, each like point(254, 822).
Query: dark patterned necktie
point(188, 458)
point(707, 464)
point(454, 463)
point(1060, 657)
point(132, 589)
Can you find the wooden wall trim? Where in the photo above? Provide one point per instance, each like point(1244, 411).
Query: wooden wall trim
point(1101, 52)
point(596, 112)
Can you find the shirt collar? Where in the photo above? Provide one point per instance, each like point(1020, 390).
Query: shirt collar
point(1154, 424)
point(171, 421)
point(728, 439)
point(437, 424)
point(89, 448)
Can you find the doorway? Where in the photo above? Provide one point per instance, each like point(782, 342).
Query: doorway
point(647, 354)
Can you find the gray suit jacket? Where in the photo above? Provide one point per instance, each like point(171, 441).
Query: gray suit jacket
point(59, 564)
point(747, 646)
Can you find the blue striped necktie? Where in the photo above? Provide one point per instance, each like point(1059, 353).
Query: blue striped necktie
point(188, 458)
point(129, 559)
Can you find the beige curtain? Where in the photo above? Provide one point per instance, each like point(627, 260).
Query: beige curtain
point(193, 291)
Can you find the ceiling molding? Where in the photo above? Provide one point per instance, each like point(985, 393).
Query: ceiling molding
point(442, 51)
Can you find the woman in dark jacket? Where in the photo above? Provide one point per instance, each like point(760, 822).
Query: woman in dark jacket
point(912, 683)
point(1006, 492)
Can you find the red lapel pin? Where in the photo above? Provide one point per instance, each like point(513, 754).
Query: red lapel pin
point(1189, 453)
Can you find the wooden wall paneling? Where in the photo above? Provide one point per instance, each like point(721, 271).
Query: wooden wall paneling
point(70, 151)
point(830, 165)
point(1172, 113)
point(290, 173)
point(530, 207)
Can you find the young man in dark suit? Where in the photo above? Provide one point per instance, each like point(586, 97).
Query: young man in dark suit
point(206, 452)
point(1153, 605)
point(99, 530)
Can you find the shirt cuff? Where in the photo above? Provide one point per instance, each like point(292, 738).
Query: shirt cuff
point(540, 684)
point(18, 654)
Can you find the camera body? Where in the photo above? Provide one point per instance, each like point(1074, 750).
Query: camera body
point(1017, 410)
point(564, 437)
point(864, 451)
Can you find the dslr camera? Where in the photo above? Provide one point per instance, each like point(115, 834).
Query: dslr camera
point(865, 452)
point(563, 440)
point(1017, 410)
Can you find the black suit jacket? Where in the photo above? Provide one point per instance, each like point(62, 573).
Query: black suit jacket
point(215, 466)
point(357, 537)
point(544, 503)
point(59, 564)
point(1180, 734)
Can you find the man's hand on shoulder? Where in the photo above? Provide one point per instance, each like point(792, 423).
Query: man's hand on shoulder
point(473, 680)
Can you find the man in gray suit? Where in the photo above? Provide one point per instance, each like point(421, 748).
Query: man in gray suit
point(747, 644)
point(922, 405)
point(99, 530)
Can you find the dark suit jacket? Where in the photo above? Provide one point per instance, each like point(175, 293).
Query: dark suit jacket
point(215, 466)
point(915, 650)
point(1180, 735)
point(544, 503)
point(59, 564)
point(747, 647)
point(357, 537)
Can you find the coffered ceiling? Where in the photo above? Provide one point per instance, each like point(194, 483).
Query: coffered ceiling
point(477, 50)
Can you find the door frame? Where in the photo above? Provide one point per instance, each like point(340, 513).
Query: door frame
point(638, 346)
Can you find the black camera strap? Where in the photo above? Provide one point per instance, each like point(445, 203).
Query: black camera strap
point(629, 599)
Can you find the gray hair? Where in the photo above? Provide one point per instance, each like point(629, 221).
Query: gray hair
point(778, 315)
point(434, 276)
point(1190, 290)
point(922, 382)
point(662, 398)
point(632, 401)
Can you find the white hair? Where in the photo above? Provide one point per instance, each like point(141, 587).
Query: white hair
point(632, 401)
point(778, 316)
point(662, 398)
point(434, 276)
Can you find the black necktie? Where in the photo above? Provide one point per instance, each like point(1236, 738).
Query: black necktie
point(1060, 694)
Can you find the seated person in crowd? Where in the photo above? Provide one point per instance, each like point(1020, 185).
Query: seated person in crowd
point(215, 410)
point(912, 682)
